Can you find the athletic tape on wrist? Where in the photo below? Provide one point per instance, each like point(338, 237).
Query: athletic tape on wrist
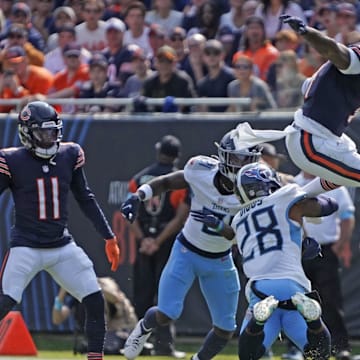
point(147, 191)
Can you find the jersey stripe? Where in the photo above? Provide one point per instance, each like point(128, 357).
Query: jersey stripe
point(4, 169)
point(80, 159)
point(325, 161)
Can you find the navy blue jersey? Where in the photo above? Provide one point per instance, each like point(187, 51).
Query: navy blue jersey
point(332, 97)
point(40, 190)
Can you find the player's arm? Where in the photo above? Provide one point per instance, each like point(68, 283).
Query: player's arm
point(328, 48)
point(156, 186)
point(313, 207)
point(90, 207)
point(60, 311)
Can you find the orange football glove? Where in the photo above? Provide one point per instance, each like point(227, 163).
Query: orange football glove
point(112, 252)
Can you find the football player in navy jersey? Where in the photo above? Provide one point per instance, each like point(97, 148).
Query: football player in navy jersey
point(317, 143)
point(40, 175)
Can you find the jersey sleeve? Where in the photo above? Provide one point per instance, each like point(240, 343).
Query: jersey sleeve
point(80, 160)
point(5, 174)
point(354, 67)
point(197, 164)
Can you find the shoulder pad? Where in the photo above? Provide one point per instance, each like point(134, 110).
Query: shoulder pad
point(201, 163)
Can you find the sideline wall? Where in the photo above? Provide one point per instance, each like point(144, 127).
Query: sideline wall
point(116, 149)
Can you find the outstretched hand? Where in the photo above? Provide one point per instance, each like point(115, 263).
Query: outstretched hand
point(295, 23)
point(209, 220)
point(130, 207)
point(112, 253)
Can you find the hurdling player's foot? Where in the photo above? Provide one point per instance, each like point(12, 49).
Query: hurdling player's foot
point(135, 342)
point(310, 309)
point(264, 308)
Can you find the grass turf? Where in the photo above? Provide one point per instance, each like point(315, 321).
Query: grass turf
point(55, 346)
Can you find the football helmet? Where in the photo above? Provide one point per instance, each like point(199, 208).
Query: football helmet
point(233, 156)
point(40, 129)
point(254, 181)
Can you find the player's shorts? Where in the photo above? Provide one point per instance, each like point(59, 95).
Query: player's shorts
point(316, 150)
point(218, 279)
point(68, 265)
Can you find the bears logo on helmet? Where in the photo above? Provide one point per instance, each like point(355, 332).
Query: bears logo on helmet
point(25, 113)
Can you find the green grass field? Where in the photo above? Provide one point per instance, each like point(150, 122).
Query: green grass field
point(59, 347)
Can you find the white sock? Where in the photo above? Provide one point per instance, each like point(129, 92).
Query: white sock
point(195, 357)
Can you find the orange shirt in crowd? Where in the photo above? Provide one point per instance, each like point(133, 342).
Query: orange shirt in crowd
point(8, 94)
point(39, 80)
point(262, 58)
point(63, 80)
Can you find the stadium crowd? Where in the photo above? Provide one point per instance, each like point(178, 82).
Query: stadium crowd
point(164, 49)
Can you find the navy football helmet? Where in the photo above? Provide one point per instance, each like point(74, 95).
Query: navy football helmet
point(40, 129)
point(254, 181)
point(233, 156)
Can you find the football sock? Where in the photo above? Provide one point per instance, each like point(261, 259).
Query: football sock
point(251, 341)
point(149, 321)
point(95, 356)
point(318, 186)
point(318, 346)
point(212, 345)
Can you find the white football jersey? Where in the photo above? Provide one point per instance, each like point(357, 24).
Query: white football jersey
point(269, 241)
point(199, 172)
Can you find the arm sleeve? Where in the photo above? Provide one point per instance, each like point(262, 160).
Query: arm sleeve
point(88, 204)
point(354, 67)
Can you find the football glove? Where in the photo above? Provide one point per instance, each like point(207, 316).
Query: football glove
point(310, 248)
point(130, 207)
point(295, 23)
point(112, 252)
point(210, 220)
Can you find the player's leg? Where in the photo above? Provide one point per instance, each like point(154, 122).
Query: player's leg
point(71, 260)
point(15, 278)
point(311, 336)
point(175, 282)
point(219, 283)
point(333, 159)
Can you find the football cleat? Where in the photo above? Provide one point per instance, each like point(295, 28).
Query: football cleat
point(264, 308)
point(136, 341)
point(310, 309)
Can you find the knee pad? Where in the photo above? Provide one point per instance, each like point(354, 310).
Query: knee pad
point(6, 304)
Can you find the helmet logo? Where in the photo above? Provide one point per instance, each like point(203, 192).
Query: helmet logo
point(259, 174)
point(25, 114)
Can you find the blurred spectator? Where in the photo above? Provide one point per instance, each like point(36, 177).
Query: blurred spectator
point(194, 64)
point(54, 60)
point(17, 35)
point(35, 79)
point(2, 21)
point(138, 32)
point(43, 18)
point(91, 33)
point(77, 6)
point(141, 68)
point(347, 23)
point(10, 88)
point(191, 18)
point(177, 38)
point(167, 81)
point(249, 85)
point(249, 7)
point(157, 37)
point(256, 46)
point(227, 39)
point(310, 62)
point(215, 83)
point(63, 15)
point(208, 20)
point(284, 40)
point(288, 80)
point(21, 14)
point(270, 10)
point(114, 8)
point(99, 86)
point(117, 55)
point(164, 15)
point(234, 19)
point(68, 82)
point(327, 18)
point(5, 6)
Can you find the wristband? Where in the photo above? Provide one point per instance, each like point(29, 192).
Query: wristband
point(147, 191)
point(220, 227)
point(58, 304)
